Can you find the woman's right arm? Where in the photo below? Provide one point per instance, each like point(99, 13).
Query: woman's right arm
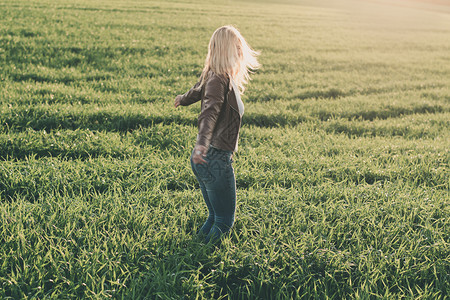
point(190, 97)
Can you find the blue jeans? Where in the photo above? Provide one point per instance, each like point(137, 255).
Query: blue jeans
point(218, 186)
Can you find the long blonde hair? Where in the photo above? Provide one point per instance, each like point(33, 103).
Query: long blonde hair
point(230, 55)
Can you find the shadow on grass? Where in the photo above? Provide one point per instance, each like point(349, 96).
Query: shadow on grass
point(39, 119)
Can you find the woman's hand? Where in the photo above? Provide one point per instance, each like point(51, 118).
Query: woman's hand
point(177, 101)
point(199, 154)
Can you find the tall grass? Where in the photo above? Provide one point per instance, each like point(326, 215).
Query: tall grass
point(342, 171)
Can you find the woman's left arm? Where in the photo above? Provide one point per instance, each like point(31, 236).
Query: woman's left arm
point(190, 97)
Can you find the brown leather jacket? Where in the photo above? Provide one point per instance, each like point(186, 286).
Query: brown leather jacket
point(219, 121)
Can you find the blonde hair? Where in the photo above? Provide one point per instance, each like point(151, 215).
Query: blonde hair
point(230, 55)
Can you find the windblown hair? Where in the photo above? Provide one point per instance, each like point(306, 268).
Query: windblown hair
point(230, 55)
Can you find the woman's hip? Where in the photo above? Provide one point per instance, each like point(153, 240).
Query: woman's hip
point(218, 171)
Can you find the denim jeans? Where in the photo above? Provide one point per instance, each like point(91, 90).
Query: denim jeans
point(218, 186)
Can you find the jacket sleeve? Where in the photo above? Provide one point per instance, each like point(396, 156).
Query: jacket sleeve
point(212, 103)
point(192, 96)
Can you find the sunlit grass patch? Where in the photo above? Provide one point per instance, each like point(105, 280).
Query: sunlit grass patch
point(342, 171)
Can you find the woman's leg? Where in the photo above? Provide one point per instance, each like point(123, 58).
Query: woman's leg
point(218, 186)
point(204, 230)
point(224, 204)
point(222, 195)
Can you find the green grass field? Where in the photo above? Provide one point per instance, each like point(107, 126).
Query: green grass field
point(342, 171)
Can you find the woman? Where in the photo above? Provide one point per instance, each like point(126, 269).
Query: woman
point(226, 71)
